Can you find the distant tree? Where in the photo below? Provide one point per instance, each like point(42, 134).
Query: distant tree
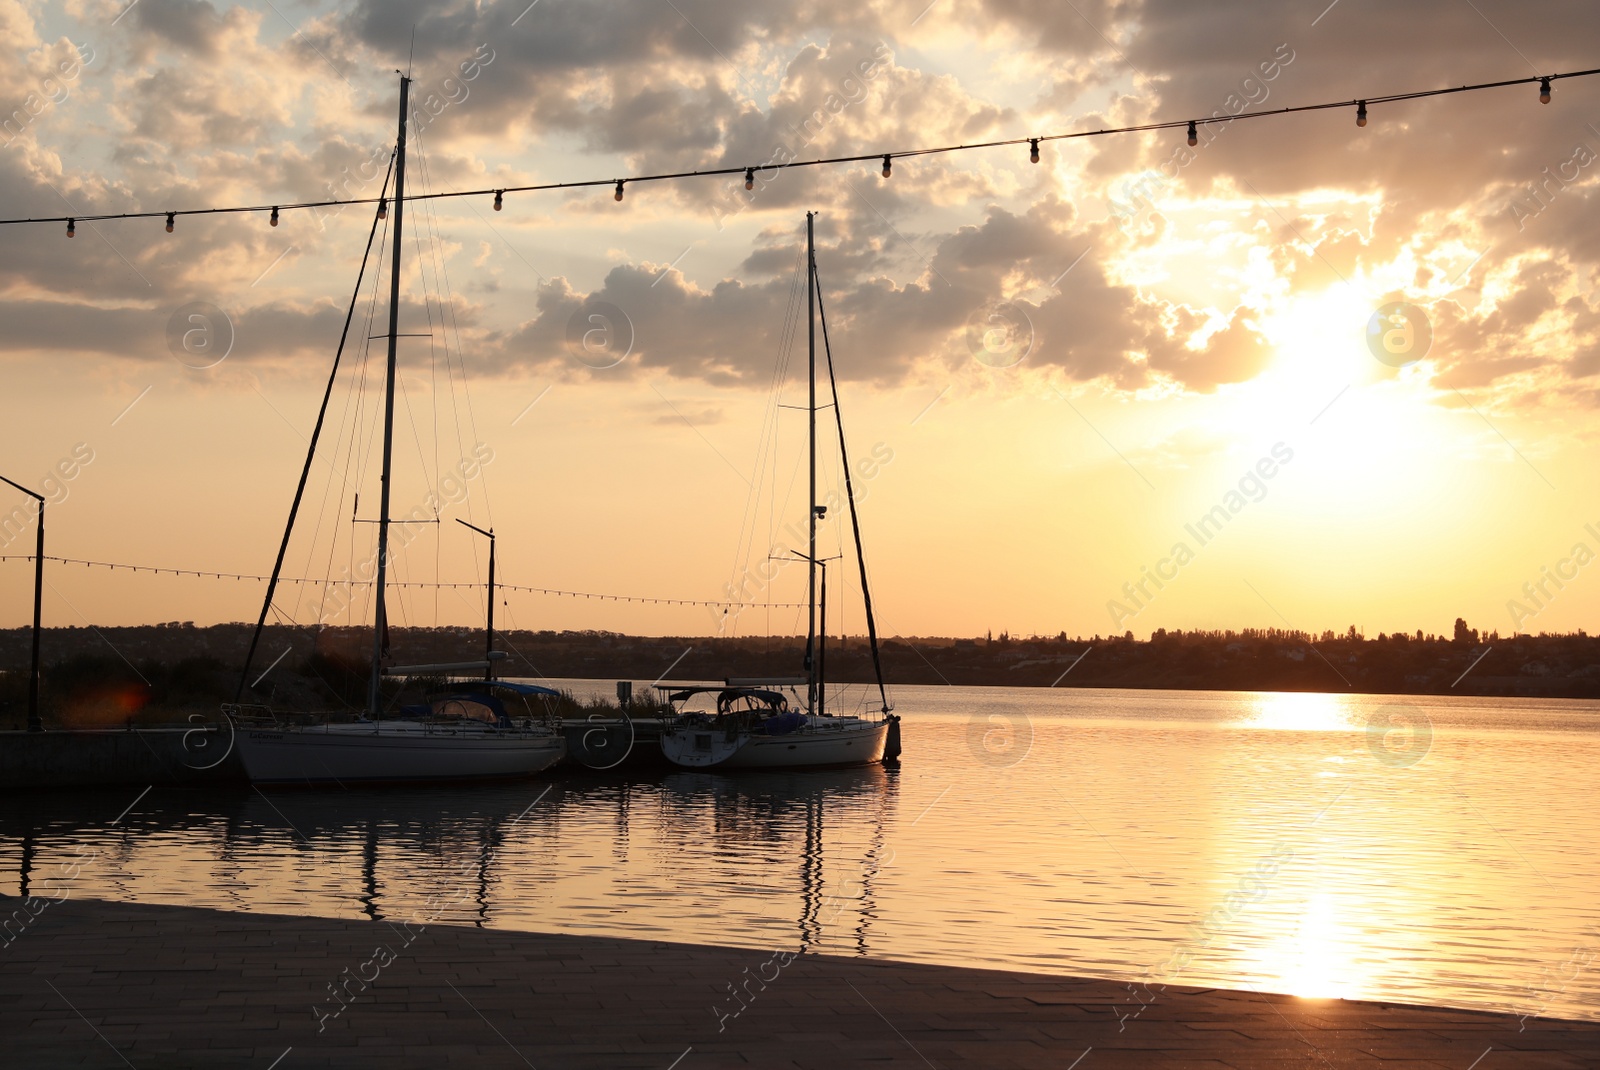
point(1464, 635)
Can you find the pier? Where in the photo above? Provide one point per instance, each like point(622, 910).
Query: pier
point(199, 753)
point(111, 984)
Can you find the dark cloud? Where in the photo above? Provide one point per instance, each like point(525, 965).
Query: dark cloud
point(731, 334)
point(192, 26)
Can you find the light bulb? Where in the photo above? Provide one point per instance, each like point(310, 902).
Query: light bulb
point(749, 178)
point(498, 204)
point(274, 219)
point(383, 208)
point(1033, 150)
point(170, 217)
point(1361, 113)
point(619, 189)
point(1544, 91)
point(1194, 135)
point(72, 227)
point(888, 166)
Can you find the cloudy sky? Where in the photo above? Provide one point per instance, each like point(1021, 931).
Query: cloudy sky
point(1050, 372)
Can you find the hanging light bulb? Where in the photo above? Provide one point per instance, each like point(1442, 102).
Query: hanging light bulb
point(274, 219)
point(72, 227)
point(749, 178)
point(383, 208)
point(1544, 91)
point(1361, 113)
point(619, 189)
point(1033, 150)
point(1194, 134)
point(888, 165)
point(170, 217)
point(498, 203)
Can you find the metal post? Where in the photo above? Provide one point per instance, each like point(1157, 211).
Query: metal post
point(488, 639)
point(35, 722)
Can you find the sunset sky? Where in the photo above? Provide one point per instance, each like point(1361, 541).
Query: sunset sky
point(1182, 330)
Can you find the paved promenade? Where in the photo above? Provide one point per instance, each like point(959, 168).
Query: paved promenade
point(111, 985)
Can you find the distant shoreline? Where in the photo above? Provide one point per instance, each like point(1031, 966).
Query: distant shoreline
point(109, 675)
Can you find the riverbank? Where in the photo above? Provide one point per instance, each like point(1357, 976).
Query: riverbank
point(93, 983)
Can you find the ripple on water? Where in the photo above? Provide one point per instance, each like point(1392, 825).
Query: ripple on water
point(1257, 841)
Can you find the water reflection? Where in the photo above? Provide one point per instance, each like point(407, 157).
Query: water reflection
point(1295, 711)
point(496, 854)
point(1248, 841)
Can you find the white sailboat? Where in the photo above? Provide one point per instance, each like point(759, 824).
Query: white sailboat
point(469, 737)
point(751, 724)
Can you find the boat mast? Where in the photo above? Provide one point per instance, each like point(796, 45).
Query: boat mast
point(814, 684)
point(380, 619)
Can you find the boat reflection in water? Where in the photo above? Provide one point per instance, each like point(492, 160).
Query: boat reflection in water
point(1406, 849)
point(690, 856)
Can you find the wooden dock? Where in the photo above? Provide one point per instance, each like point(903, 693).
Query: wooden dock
point(90, 984)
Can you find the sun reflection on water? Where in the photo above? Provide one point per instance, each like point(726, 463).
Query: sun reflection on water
point(1317, 959)
point(1299, 711)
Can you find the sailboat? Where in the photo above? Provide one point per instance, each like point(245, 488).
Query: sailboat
point(468, 737)
point(751, 723)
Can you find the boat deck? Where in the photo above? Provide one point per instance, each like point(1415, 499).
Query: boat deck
point(107, 985)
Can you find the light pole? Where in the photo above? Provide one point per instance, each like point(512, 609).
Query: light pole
point(35, 724)
point(488, 652)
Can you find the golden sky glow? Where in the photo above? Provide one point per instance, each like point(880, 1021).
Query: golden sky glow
point(1180, 323)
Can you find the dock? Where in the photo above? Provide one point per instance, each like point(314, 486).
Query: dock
point(97, 984)
point(201, 753)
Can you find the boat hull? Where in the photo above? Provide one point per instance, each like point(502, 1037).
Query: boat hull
point(710, 748)
point(342, 754)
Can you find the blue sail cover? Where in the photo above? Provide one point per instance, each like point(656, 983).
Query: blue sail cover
point(781, 724)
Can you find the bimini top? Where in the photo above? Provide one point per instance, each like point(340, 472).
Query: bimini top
point(728, 694)
point(474, 700)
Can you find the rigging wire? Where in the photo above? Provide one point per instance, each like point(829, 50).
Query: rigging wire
point(750, 517)
point(305, 472)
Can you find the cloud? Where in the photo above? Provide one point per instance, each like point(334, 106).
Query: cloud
point(195, 103)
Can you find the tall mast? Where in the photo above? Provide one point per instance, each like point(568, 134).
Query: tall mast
point(814, 684)
point(380, 618)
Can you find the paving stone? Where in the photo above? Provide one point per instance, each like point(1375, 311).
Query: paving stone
point(179, 987)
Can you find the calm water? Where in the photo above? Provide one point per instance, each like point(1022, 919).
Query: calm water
point(1423, 850)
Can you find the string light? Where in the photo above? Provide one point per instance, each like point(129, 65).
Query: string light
point(170, 217)
point(749, 178)
point(619, 189)
point(274, 219)
point(72, 228)
point(1361, 113)
point(1033, 150)
point(498, 204)
point(1194, 135)
point(1544, 82)
point(420, 585)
